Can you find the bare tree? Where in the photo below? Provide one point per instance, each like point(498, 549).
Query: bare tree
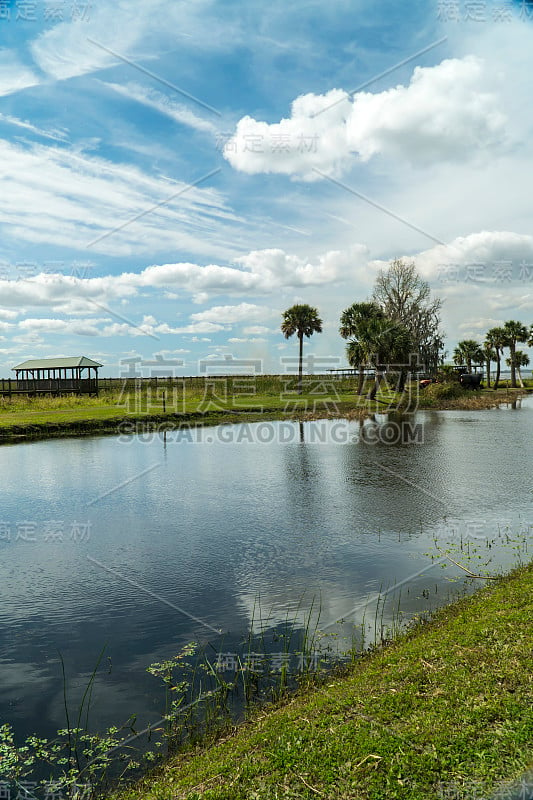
point(406, 298)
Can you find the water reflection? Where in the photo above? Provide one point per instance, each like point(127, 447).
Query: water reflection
point(222, 524)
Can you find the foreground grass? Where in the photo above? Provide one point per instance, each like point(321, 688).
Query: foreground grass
point(211, 401)
point(445, 712)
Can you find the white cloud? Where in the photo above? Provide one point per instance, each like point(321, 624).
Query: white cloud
point(481, 324)
point(259, 330)
point(257, 272)
point(260, 272)
point(60, 291)
point(488, 249)
point(171, 353)
point(231, 314)
point(58, 196)
point(106, 328)
point(447, 113)
point(162, 104)
point(69, 327)
point(277, 268)
point(55, 134)
point(194, 327)
point(252, 340)
point(65, 50)
point(14, 75)
point(133, 30)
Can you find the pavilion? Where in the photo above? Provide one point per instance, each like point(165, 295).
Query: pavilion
point(77, 375)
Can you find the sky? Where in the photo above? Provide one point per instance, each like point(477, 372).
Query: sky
point(174, 175)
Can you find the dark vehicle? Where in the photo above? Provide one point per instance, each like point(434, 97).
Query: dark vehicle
point(471, 381)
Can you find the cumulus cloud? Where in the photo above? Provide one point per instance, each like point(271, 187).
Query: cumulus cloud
point(259, 330)
point(481, 324)
point(446, 113)
point(487, 249)
point(107, 328)
point(259, 272)
point(60, 291)
point(244, 312)
point(76, 327)
point(277, 268)
point(252, 340)
point(8, 313)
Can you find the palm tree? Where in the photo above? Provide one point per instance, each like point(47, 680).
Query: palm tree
point(390, 344)
point(521, 360)
point(375, 340)
point(495, 337)
point(356, 323)
point(304, 321)
point(468, 351)
point(490, 355)
point(514, 332)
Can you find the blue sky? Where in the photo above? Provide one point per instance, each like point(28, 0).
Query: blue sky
point(175, 174)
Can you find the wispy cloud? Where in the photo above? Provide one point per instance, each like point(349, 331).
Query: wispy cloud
point(14, 75)
point(63, 51)
point(58, 196)
point(163, 105)
point(55, 134)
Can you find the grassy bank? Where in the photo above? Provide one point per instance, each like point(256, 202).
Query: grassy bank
point(209, 401)
point(445, 712)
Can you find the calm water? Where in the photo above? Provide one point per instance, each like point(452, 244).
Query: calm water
point(144, 546)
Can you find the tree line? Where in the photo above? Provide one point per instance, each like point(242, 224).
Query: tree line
point(399, 329)
point(509, 335)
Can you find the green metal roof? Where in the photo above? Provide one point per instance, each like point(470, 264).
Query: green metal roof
point(57, 363)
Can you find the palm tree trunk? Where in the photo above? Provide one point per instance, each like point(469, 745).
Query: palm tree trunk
point(402, 380)
point(300, 361)
point(488, 373)
point(361, 380)
point(512, 353)
point(498, 367)
point(375, 386)
point(519, 374)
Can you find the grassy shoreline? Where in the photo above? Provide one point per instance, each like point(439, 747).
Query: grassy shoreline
point(67, 417)
point(443, 712)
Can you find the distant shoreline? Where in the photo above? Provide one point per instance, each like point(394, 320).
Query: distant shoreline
point(92, 425)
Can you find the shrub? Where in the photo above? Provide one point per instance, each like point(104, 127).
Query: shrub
point(439, 392)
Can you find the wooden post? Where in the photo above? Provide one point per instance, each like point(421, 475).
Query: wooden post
point(164, 402)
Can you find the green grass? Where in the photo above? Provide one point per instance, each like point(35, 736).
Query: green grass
point(215, 400)
point(445, 712)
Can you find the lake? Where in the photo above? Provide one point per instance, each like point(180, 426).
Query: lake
point(141, 545)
